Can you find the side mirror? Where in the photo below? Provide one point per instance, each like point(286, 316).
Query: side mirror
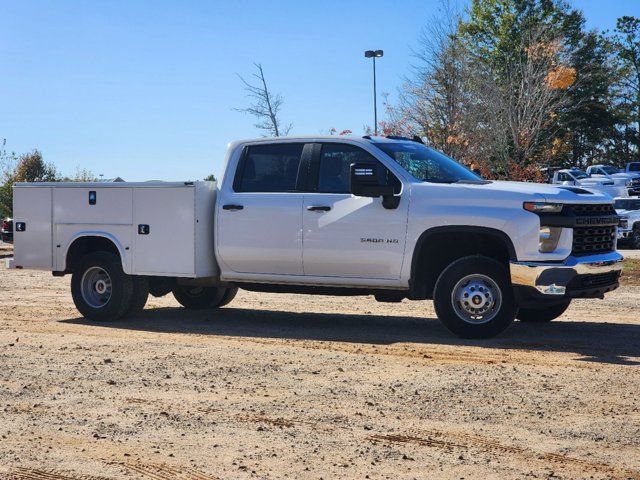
point(364, 181)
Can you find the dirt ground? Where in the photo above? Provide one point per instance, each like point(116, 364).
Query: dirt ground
point(286, 386)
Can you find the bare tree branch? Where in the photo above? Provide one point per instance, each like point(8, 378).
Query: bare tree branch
point(265, 105)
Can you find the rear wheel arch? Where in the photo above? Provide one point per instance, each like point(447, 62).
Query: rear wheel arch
point(438, 247)
point(85, 244)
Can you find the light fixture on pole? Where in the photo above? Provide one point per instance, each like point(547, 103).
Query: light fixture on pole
point(374, 54)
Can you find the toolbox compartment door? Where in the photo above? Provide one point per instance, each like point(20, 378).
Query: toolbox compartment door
point(164, 231)
point(32, 228)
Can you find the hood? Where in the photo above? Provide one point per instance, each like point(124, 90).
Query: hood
point(551, 193)
point(596, 181)
point(499, 192)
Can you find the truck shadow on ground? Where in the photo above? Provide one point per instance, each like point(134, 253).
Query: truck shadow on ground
point(592, 341)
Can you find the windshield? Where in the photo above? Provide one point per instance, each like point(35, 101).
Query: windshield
point(427, 164)
point(628, 204)
point(610, 170)
point(634, 167)
point(578, 174)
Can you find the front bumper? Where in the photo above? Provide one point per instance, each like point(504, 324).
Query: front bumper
point(587, 277)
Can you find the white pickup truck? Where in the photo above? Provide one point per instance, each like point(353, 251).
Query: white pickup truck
point(630, 180)
point(615, 187)
point(378, 216)
point(629, 228)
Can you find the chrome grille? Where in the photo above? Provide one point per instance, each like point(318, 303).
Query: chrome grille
point(591, 240)
point(585, 210)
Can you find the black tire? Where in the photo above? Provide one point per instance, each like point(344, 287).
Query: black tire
point(199, 298)
point(229, 295)
point(488, 283)
point(544, 314)
point(86, 295)
point(161, 286)
point(140, 295)
point(634, 239)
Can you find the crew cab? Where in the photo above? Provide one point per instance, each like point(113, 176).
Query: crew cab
point(630, 180)
point(578, 178)
point(629, 228)
point(382, 216)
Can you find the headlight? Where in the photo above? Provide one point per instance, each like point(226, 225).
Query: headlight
point(549, 238)
point(628, 183)
point(623, 222)
point(542, 207)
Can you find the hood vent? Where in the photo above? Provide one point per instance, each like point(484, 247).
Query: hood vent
point(577, 190)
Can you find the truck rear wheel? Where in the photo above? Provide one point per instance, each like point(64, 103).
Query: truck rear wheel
point(199, 298)
point(229, 295)
point(473, 297)
point(100, 289)
point(139, 296)
point(544, 314)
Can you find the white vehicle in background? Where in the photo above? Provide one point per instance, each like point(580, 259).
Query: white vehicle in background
point(381, 216)
point(630, 180)
point(577, 178)
point(629, 228)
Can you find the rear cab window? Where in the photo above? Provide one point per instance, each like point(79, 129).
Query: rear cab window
point(269, 168)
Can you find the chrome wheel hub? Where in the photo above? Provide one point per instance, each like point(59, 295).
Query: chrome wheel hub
point(96, 287)
point(476, 298)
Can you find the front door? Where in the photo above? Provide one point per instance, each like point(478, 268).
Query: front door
point(345, 235)
point(260, 219)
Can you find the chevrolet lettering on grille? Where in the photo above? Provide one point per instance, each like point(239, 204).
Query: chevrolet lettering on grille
point(610, 220)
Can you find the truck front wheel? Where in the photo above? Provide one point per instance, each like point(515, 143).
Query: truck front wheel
point(100, 288)
point(473, 297)
point(543, 314)
point(199, 298)
point(635, 237)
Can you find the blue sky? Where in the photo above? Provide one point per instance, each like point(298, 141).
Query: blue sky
point(146, 89)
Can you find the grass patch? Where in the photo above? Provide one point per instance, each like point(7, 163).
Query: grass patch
point(631, 272)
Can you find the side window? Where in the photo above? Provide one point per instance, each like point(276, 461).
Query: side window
point(269, 168)
point(562, 177)
point(335, 163)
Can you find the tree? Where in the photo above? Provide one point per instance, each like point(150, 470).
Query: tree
point(30, 167)
point(7, 165)
point(266, 105)
point(432, 99)
point(626, 48)
point(210, 178)
point(81, 175)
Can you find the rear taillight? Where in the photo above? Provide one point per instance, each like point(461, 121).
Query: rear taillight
point(5, 225)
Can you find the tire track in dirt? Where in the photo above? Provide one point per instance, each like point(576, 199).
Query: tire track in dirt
point(35, 474)
point(474, 442)
point(449, 441)
point(164, 471)
point(487, 356)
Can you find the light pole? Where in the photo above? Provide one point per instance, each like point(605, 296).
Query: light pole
point(373, 54)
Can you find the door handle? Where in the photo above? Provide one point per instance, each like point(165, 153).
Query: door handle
point(232, 207)
point(319, 208)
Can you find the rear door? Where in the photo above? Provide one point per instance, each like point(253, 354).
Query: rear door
point(259, 227)
point(348, 236)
